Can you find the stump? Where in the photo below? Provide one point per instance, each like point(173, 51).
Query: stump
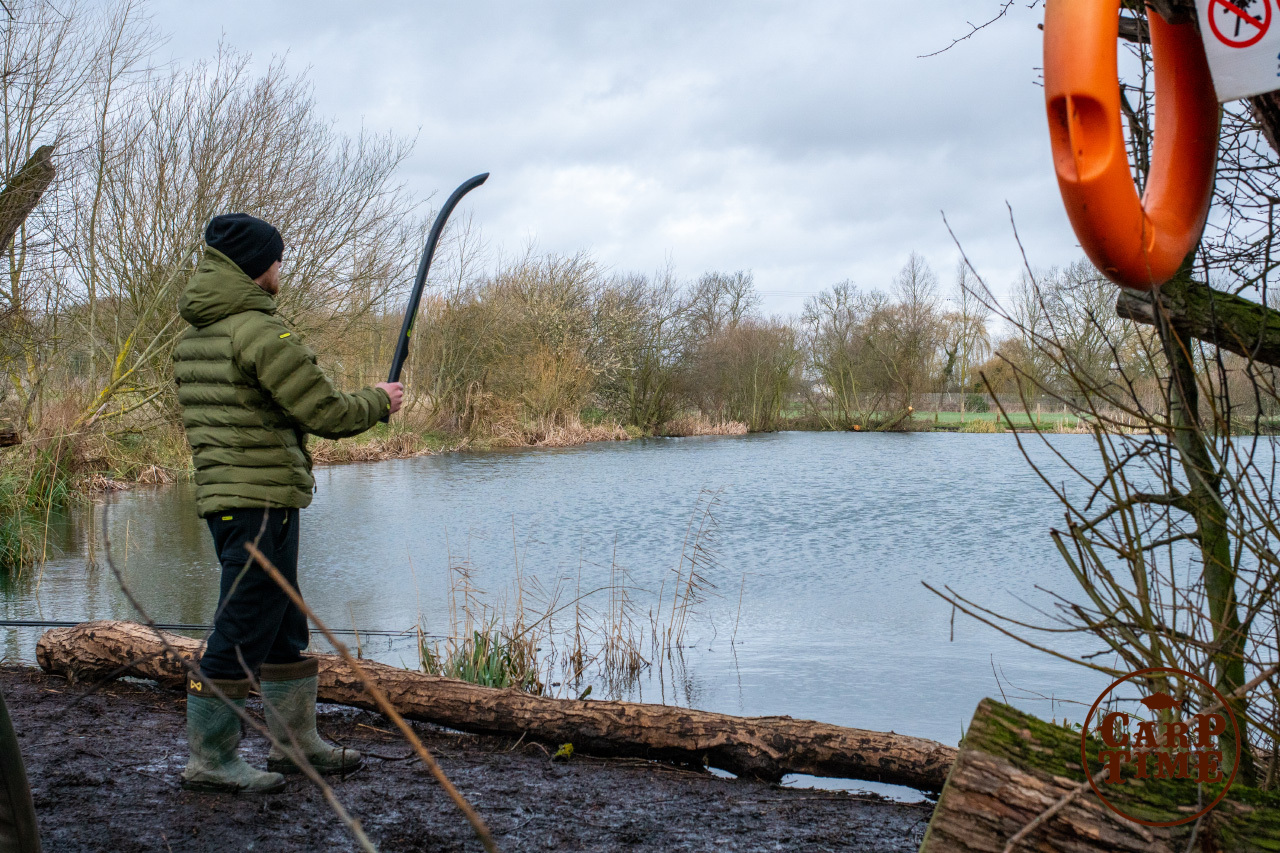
point(1012, 767)
point(759, 747)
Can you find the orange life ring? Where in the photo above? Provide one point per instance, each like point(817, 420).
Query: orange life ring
point(1136, 243)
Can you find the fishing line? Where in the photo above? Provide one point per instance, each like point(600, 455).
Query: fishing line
point(164, 626)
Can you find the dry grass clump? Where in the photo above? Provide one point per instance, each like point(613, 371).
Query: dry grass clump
point(573, 434)
point(99, 484)
point(397, 445)
point(139, 451)
point(151, 475)
point(1078, 426)
point(699, 424)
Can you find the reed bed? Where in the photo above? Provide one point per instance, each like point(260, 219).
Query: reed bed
point(30, 491)
point(396, 445)
point(699, 424)
point(564, 640)
point(572, 434)
point(982, 426)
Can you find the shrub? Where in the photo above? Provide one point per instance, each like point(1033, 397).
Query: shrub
point(984, 426)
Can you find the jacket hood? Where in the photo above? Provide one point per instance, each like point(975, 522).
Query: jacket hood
point(218, 289)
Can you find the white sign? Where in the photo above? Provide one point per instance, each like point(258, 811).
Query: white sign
point(1242, 42)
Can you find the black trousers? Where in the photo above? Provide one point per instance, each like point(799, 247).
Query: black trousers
point(254, 614)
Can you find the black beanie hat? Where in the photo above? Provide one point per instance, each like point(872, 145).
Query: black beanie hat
point(249, 241)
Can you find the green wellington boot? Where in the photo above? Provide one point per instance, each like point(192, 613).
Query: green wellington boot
point(213, 733)
point(289, 700)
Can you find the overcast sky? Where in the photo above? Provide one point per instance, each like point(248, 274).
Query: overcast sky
point(805, 140)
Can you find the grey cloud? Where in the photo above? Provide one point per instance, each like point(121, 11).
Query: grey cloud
point(806, 141)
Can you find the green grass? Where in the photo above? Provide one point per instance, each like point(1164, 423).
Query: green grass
point(489, 658)
point(1018, 419)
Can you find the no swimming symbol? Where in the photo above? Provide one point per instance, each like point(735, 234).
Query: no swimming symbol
point(1240, 23)
point(1242, 45)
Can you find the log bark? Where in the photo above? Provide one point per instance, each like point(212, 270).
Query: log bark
point(759, 747)
point(9, 436)
point(1196, 310)
point(1013, 767)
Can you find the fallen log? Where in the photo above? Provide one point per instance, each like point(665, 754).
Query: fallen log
point(1013, 768)
point(894, 422)
point(9, 436)
point(760, 747)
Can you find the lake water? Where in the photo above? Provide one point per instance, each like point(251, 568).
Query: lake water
point(821, 543)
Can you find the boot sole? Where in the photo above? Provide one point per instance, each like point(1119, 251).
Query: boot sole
point(289, 768)
point(215, 788)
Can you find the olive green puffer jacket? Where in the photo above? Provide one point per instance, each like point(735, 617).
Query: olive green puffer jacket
point(250, 393)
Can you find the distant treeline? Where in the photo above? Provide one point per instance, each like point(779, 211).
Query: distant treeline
point(506, 348)
point(546, 341)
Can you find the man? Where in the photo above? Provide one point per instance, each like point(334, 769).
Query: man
point(250, 393)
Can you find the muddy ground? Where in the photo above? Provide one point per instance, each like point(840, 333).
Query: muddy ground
point(104, 767)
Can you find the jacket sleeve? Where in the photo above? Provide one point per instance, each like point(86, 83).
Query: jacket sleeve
point(286, 370)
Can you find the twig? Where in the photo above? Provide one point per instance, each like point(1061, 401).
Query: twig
point(974, 29)
point(380, 699)
point(1048, 813)
point(738, 618)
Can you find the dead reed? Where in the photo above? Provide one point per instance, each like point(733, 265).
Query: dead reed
point(699, 424)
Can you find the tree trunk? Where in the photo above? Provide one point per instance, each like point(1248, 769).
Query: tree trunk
point(759, 747)
point(1175, 11)
point(1013, 767)
point(897, 420)
point(1204, 497)
point(23, 192)
point(1196, 310)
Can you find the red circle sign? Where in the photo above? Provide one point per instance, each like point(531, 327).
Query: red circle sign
point(1240, 23)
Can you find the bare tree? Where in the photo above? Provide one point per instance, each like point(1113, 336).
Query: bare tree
point(968, 339)
point(910, 340)
point(211, 139)
point(52, 60)
point(850, 381)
